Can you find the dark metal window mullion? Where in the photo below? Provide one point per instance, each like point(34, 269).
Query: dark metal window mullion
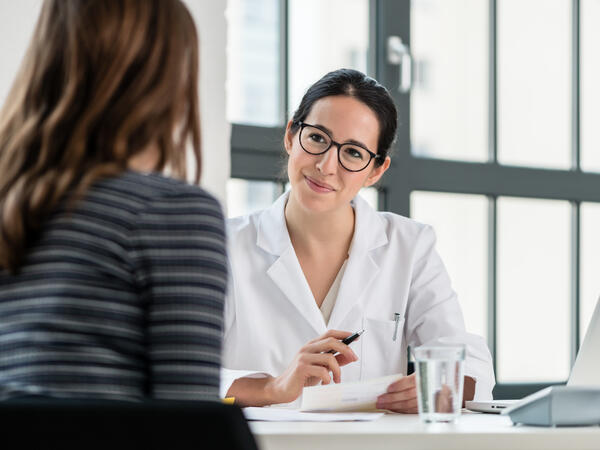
point(373, 53)
point(492, 279)
point(576, 165)
point(392, 18)
point(575, 88)
point(492, 211)
point(493, 86)
point(575, 276)
point(283, 60)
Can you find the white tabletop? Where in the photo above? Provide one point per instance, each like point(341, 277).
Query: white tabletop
point(406, 432)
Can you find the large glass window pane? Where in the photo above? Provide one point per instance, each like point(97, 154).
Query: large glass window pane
point(590, 263)
point(533, 290)
point(449, 99)
point(324, 36)
point(253, 62)
point(247, 196)
point(590, 88)
point(534, 82)
point(461, 224)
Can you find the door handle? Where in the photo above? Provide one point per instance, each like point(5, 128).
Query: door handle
point(398, 54)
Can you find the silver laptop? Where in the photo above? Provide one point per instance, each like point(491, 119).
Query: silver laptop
point(585, 371)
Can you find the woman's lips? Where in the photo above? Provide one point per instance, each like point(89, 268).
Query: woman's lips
point(317, 187)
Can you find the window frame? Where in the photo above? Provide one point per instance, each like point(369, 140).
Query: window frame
point(256, 154)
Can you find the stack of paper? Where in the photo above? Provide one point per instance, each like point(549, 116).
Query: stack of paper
point(334, 401)
point(352, 396)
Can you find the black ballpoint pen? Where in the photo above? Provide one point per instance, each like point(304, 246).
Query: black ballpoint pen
point(349, 339)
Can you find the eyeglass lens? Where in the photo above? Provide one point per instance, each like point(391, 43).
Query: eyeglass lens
point(315, 141)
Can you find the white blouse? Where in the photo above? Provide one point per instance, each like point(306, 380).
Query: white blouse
point(330, 298)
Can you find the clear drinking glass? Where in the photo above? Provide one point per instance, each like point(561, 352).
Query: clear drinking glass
point(439, 382)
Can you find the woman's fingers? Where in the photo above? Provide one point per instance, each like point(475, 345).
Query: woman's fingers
point(404, 383)
point(312, 381)
point(316, 361)
point(337, 334)
point(322, 356)
point(325, 361)
point(406, 406)
point(318, 372)
point(399, 396)
point(343, 359)
point(331, 344)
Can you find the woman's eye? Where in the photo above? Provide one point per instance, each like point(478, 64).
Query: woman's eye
point(317, 138)
point(354, 153)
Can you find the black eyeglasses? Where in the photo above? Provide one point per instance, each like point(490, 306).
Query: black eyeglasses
point(316, 141)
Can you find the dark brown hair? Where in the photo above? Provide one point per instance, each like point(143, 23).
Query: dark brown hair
point(365, 89)
point(102, 81)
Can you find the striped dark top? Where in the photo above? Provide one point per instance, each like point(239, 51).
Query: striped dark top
point(121, 298)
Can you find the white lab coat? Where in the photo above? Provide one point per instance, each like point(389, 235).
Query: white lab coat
point(393, 267)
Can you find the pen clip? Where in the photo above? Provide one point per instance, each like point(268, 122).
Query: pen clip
point(397, 319)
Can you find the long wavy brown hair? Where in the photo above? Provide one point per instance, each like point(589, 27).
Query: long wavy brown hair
point(101, 82)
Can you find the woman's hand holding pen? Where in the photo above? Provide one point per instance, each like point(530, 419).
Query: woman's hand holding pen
point(401, 396)
point(311, 365)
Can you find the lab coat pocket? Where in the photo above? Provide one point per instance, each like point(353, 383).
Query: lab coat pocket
point(381, 353)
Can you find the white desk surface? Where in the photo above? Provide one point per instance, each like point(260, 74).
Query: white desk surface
point(406, 432)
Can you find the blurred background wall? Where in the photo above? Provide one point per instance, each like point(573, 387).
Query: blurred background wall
point(17, 21)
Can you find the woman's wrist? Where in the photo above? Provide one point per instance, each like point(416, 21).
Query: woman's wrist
point(271, 392)
point(253, 391)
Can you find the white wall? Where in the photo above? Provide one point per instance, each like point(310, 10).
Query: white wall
point(216, 131)
point(17, 21)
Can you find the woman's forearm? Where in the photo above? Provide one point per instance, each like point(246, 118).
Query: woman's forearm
point(252, 391)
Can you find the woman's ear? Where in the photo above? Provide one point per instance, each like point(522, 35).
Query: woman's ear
point(377, 172)
point(287, 139)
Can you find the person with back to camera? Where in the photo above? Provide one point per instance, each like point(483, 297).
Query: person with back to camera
point(320, 263)
point(112, 276)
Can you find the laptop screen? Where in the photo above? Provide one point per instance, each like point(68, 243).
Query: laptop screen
point(586, 370)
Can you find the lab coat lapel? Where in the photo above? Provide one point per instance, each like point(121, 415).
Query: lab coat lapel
point(285, 272)
point(362, 267)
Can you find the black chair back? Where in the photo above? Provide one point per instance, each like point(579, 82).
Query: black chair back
point(57, 424)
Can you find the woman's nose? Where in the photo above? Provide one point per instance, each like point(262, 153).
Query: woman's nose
point(327, 162)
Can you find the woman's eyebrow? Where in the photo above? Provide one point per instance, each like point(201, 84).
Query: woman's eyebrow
point(355, 142)
point(349, 141)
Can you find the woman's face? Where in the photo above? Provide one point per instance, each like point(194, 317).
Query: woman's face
point(319, 183)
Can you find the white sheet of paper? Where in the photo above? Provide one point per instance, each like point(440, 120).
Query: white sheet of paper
point(352, 396)
point(290, 415)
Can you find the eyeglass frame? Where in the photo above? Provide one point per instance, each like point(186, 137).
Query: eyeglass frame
point(303, 125)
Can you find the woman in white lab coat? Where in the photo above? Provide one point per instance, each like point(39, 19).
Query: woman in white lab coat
point(320, 263)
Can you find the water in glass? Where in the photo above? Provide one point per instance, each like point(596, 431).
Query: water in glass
point(439, 382)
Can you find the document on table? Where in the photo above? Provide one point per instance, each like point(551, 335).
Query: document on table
point(352, 396)
point(293, 415)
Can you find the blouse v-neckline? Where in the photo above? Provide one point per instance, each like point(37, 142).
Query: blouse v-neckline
point(332, 294)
